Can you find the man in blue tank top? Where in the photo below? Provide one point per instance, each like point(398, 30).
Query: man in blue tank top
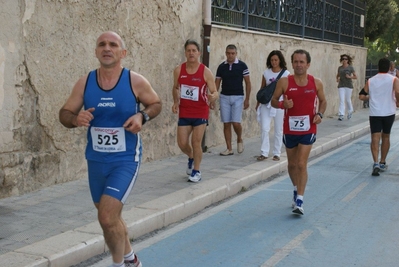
point(110, 97)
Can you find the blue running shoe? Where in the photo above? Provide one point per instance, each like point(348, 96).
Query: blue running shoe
point(190, 166)
point(295, 193)
point(298, 209)
point(383, 167)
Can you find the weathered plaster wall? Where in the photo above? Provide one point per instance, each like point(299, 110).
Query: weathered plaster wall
point(46, 45)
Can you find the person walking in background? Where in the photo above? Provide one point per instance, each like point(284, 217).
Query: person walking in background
point(392, 70)
point(382, 91)
point(302, 95)
point(275, 63)
point(345, 75)
point(111, 97)
point(191, 81)
point(231, 74)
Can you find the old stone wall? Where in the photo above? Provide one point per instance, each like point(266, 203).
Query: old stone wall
point(46, 45)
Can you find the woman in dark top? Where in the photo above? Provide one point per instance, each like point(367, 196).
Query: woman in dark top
point(345, 75)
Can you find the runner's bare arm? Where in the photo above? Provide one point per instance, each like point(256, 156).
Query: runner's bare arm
point(281, 86)
point(71, 115)
point(217, 83)
point(147, 96)
point(176, 89)
point(321, 96)
point(210, 82)
point(248, 88)
point(364, 97)
point(396, 90)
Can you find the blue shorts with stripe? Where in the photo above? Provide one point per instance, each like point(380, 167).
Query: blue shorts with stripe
point(291, 140)
point(115, 179)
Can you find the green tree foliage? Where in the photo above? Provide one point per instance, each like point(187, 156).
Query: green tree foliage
point(382, 34)
point(380, 15)
point(373, 53)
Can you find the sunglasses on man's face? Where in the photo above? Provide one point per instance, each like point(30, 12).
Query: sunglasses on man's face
point(344, 58)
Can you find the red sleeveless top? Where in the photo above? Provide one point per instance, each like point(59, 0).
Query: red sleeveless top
point(193, 94)
point(298, 120)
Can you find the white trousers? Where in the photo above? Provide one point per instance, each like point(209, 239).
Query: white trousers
point(345, 100)
point(265, 116)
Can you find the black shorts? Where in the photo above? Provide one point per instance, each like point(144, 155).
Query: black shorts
point(381, 124)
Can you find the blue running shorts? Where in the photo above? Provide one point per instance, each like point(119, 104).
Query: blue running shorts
point(191, 122)
point(291, 140)
point(115, 179)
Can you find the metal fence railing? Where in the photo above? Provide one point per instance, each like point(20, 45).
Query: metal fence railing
point(338, 21)
point(371, 70)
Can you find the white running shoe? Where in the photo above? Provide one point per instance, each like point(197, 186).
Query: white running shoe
point(298, 209)
point(134, 263)
point(376, 170)
point(349, 115)
point(195, 178)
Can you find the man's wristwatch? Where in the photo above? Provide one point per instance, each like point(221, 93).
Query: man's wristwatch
point(320, 114)
point(145, 117)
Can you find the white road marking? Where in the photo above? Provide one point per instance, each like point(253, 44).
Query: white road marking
point(286, 250)
point(355, 192)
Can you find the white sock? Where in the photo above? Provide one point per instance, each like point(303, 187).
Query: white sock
point(299, 197)
point(129, 256)
point(122, 264)
point(295, 189)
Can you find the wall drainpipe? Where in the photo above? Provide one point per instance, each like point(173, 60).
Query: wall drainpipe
point(207, 26)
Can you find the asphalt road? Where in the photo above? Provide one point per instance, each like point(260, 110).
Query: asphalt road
point(351, 219)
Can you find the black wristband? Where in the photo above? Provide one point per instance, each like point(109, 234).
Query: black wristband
point(362, 92)
point(145, 117)
point(320, 114)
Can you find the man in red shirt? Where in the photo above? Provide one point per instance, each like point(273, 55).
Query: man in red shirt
point(191, 99)
point(304, 104)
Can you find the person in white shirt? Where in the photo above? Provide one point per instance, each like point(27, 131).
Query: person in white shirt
point(266, 113)
point(382, 91)
point(392, 70)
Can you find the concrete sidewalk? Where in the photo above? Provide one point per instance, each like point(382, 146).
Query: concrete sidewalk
point(57, 226)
